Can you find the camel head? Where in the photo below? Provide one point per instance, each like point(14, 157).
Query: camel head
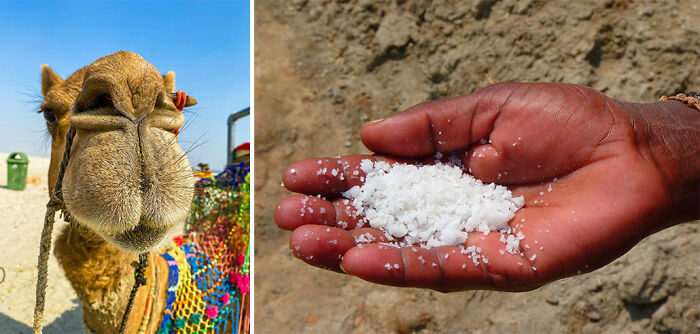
point(127, 178)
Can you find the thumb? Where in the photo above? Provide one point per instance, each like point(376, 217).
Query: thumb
point(438, 126)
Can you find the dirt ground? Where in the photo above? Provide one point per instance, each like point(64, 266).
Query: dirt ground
point(324, 68)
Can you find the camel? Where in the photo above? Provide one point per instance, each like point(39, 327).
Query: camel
point(127, 182)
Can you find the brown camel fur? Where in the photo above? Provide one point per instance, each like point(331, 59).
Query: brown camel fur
point(126, 183)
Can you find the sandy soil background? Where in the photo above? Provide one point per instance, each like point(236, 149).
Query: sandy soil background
point(21, 221)
point(324, 68)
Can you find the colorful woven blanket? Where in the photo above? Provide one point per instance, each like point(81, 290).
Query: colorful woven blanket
point(209, 277)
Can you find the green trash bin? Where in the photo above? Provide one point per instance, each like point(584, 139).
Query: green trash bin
point(17, 164)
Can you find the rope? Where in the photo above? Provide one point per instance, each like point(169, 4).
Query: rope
point(55, 204)
point(139, 280)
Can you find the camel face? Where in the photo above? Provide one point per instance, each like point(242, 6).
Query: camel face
point(127, 179)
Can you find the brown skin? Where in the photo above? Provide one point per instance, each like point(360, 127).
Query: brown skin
point(126, 183)
point(623, 171)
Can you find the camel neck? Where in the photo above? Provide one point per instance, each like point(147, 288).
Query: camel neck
point(100, 273)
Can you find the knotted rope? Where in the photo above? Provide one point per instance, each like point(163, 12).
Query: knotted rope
point(139, 280)
point(55, 204)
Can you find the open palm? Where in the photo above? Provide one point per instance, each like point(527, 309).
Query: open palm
point(591, 192)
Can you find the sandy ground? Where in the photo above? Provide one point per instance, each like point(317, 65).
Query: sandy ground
point(324, 68)
point(21, 219)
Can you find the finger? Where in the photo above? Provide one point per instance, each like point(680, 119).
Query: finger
point(297, 210)
point(482, 263)
point(438, 126)
point(346, 216)
point(328, 177)
point(321, 246)
point(324, 246)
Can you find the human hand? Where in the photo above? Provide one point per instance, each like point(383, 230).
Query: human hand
point(592, 187)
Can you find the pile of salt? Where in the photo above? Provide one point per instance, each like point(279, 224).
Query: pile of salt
point(431, 205)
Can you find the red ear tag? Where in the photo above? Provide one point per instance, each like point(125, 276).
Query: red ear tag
point(180, 100)
point(176, 131)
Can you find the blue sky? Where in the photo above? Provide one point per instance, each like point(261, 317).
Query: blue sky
point(207, 44)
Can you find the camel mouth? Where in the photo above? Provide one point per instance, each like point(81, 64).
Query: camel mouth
point(140, 239)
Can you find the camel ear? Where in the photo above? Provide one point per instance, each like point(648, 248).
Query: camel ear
point(49, 78)
point(169, 81)
point(190, 101)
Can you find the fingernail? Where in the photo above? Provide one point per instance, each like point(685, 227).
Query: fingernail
point(374, 121)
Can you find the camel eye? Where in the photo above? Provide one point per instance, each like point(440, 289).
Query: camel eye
point(49, 116)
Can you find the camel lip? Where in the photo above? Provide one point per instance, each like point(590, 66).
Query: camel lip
point(140, 239)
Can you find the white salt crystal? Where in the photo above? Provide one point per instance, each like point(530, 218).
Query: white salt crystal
point(323, 210)
point(431, 205)
point(387, 266)
point(292, 171)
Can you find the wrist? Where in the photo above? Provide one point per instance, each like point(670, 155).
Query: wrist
point(668, 133)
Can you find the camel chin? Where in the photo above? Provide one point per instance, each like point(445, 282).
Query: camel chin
point(139, 240)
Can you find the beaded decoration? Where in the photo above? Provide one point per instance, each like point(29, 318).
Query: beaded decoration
point(209, 278)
